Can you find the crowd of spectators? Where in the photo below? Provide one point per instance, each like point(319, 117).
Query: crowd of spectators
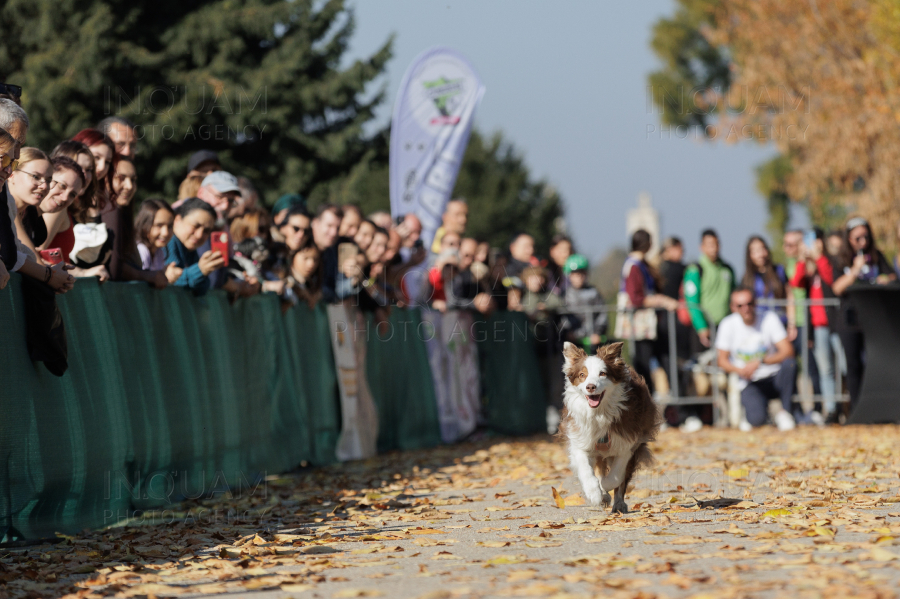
point(71, 215)
point(759, 318)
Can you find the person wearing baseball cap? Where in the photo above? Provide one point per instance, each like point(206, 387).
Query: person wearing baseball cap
point(585, 329)
point(220, 190)
point(203, 163)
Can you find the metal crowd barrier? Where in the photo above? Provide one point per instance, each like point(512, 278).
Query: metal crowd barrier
point(718, 396)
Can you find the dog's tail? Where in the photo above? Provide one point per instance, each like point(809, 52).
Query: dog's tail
point(642, 458)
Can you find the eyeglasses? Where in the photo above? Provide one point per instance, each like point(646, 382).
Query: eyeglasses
point(747, 305)
point(12, 90)
point(296, 228)
point(37, 178)
point(858, 238)
point(7, 161)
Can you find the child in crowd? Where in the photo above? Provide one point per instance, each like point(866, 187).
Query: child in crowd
point(440, 276)
point(304, 283)
point(586, 330)
point(153, 231)
point(364, 234)
point(540, 304)
point(194, 221)
point(537, 301)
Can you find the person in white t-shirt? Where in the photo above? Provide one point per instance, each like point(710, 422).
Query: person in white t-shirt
point(756, 347)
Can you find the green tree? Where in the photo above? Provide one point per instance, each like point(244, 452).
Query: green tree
point(771, 182)
point(502, 196)
point(689, 90)
point(259, 81)
point(695, 72)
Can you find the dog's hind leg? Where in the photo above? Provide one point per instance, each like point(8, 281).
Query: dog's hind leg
point(618, 465)
point(640, 457)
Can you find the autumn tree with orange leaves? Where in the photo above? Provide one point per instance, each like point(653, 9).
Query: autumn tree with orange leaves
point(819, 80)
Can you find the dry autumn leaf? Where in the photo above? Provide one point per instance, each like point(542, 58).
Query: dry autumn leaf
point(560, 502)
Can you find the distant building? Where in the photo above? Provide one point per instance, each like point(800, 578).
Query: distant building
point(644, 217)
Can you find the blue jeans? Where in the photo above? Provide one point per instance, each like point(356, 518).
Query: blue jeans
point(756, 394)
point(824, 355)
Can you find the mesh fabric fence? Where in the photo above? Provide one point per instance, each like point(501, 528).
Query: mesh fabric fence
point(169, 396)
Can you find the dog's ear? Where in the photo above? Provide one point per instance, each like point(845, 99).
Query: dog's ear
point(573, 353)
point(610, 351)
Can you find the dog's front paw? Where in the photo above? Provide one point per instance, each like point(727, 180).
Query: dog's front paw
point(594, 496)
point(605, 499)
point(620, 507)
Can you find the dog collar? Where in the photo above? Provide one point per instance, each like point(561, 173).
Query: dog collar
point(603, 444)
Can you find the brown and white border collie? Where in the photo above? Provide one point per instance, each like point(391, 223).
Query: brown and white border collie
point(609, 419)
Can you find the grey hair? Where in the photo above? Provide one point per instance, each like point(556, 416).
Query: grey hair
point(106, 124)
point(11, 113)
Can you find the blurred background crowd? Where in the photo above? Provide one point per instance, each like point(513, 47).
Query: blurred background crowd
point(71, 214)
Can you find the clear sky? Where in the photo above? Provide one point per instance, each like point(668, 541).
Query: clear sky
point(567, 84)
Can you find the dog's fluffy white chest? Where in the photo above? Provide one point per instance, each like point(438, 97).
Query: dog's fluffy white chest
point(589, 428)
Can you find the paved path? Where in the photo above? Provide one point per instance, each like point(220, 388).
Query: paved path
point(805, 514)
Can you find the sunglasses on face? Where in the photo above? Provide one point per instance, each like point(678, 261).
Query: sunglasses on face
point(858, 238)
point(7, 161)
point(12, 90)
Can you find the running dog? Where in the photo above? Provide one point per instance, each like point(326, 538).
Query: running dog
point(609, 420)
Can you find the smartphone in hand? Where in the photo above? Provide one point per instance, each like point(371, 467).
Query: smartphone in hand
point(51, 256)
point(219, 242)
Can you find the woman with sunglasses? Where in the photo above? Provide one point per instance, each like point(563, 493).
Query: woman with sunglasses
point(29, 185)
point(859, 262)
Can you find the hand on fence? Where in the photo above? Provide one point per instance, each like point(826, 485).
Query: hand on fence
point(60, 280)
point(158, 279)
point(484, 303)
point(173, 273)
point(704, 337)
point(97, 271)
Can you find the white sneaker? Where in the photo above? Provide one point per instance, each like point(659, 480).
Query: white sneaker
point(552, 420)
point(784, 421)
point(692, 424)
point(744, 426)
point(817, 418)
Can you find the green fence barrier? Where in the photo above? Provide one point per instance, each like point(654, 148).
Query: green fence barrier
point(400, 381)
point(169, 396)
point(510, 377)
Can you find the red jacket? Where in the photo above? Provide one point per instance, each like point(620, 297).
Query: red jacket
point(824, 275)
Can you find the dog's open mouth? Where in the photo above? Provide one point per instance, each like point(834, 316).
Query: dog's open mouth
point(594, 400)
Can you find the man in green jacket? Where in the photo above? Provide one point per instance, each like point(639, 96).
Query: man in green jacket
point(708, 284)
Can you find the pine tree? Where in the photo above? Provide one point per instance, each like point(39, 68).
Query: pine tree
point(493, 178)
point(259, 81)
point(503, 198)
